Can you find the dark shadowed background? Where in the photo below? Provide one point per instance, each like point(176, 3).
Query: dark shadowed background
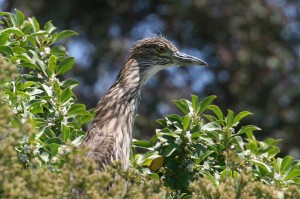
point(252, 48)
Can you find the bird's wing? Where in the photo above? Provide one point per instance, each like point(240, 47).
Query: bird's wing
point(99, 146)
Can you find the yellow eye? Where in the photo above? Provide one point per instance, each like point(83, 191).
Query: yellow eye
point(160, 49)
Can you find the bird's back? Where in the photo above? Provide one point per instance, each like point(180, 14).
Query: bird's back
point(100, 146)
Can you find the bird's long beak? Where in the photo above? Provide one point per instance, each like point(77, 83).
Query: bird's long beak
point(182, 59)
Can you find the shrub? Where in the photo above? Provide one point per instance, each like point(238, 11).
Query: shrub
point(36, 93)
point(206, 143)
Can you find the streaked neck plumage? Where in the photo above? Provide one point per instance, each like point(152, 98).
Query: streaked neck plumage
point(117, 116)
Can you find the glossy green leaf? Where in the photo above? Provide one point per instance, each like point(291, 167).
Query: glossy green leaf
point(12, 31)
point(65, 130)
point(6, 50)
point(285, 164)
point(211, 126)
point(240, 116)
point(58, 51)
point(18, 50)
point(195, 104)
point(186, 123)
point(65, 65)
point(206, 102)
point(293, 174)
point(49, 27)
point(265, 169)
point(230, 119)
point(77, 109)
point(183, 106)
point(39, 33)
point(66, 95)
point(51, 65)
point(142, 143)
point(70, 83)
point(35, 24)
point(217, 111)
point(3, 38)
point(20, 17)
point(12, 18)
point(64, 34)
point(248, 128)
point(78, 140)
point(170, 150)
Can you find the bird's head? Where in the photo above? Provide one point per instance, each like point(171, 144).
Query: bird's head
point(154, 54)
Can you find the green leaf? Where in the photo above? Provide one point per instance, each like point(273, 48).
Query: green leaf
point(285, 164)
point(31, 40)
point(170, 150)
point(225, 174)
point(20, 17)
point(204, 155)
point(230, 119)
point(239, 142)
point(3, 38)
point(70, 83)
point(186, 123)
point(77, 141)
point(182, 105)
point(39, 33)
point(12, 31)
point(217, 111)
point(77, 109)
point(58, 51)
point(13, 19)
point(27, 84)
point(53, 147)
point(35, 24)
point(212, 126)
point(240, 116)
point(195, 104)
point(28, 65)
point(49, 27)
point(19, 50)
point(64, 34)
point(263, 166)
point(66, 95)
point(167, 132)
point(6, 50)
point(142, 143)
point(45, 156)
point(51, 65)
point(293, 174)
point(49, 133)
point(204, 103)
point(174, 118)
point(65, 65)
point(37, 108)
point(247, 129)
point(65, 132)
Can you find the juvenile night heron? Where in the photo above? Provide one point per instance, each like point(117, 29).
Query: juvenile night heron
point(110, 134)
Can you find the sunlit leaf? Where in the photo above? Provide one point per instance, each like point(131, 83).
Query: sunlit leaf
point(65, 65)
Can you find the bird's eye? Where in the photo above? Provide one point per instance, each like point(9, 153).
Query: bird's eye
point(160, 49)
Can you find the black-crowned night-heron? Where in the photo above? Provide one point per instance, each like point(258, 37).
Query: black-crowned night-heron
point(109, 137)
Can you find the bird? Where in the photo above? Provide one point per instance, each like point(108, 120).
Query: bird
point(110, 134)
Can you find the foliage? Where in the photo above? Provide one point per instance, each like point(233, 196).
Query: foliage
point(206, 143)
point(202, 154)
point(252, 48)
point(37, 94)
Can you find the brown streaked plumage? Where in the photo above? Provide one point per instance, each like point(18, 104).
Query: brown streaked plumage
point(110, 134)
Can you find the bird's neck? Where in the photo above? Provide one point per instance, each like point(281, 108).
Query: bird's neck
point(120, 102)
